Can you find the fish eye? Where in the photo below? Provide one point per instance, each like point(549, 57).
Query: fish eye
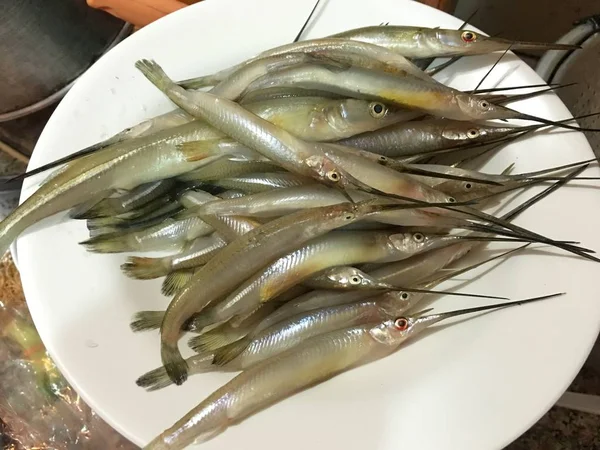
point(473, 132)
point(354, 280)
point(333, 175)
point(468, 186)
point(468, 37)
point(401, 324)
point(377, 110)
point(404, 296)
point(451, 200)
point(349, 216)
point(418, 237)
point(484, 105)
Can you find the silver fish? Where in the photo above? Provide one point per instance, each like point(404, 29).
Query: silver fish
point(239, 260)
point(423, 42)
point(314, 361)
point(333, 249)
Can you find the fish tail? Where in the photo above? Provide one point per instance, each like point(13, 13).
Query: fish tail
point(154, 73)
point(158, 77)
point(211, 341)
point(107, 243)
point(154, 380)
point(141, 268)
point(175, 281)
point(103, 231)
point(83, 211)
point(103, 222)
point(228, 353)
point(175, 365)
point(147, 320)
point(100, 209)
point(159, 378)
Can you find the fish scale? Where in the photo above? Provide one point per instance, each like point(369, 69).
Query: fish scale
point(286, 335)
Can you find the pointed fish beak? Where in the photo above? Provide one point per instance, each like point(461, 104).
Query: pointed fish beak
point(524, 45)
point(423, 321)
point(507, 113)
point(455, 294)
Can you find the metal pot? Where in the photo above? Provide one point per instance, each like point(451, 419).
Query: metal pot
point(45, 46)
point(579, 67)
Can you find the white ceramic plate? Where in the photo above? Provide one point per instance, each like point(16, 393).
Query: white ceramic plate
point(474, 386)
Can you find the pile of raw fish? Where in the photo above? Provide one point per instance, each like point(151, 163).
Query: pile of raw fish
point(309, 199)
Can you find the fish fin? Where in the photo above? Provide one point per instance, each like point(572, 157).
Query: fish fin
point(210, 341)
point(85, 210)
point(103, 231)
point(103, 222)
point(159, 378)
point(231, 351)
point(141, 268)
point(175, 365)
point(82, 211)
point(154, 73)
point(107, 243)
point(198, 150)
point(154, 380)
point(175, 281)
point(100, 209)
point(147, 320)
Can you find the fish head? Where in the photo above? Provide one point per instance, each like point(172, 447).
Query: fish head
point(328, 169)
point(341, 214)
point(325, 170)
point(351, 277)
point(474, 107)
point(344, 276)
point(464, 42)
point(338, 215)
point(481, 133)
point(464, 191)
point(393, 303)
point(395, 331)
point(410, 242)
point(354, 116)
point(469, 42)
point(465, 132)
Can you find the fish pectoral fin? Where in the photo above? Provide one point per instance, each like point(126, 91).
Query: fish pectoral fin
point(207, 436)
point(228, 353)
point(175, 281)
point(209, 341)
point(198, 150)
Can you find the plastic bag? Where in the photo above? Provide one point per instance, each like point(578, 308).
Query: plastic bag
point(38, 408)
